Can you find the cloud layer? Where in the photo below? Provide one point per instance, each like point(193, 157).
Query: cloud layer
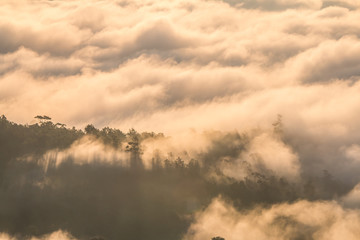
point(171, 66)
point(300, 220)
point(206, 65)
point(57, 235)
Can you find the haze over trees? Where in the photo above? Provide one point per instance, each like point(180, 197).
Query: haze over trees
point(180, 120)
point(99, 198)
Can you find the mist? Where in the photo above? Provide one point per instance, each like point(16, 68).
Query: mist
point(234, 119)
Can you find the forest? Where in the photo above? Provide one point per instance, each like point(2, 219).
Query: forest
point(123, 198)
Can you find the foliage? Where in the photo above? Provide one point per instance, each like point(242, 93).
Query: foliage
point(218, 238)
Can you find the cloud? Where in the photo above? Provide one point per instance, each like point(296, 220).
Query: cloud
point(186, 61)
point(268, 155)
point(41, 67)
point(171, 66)
point(48, 40)
point(303, 220)
point(330, 60)
point(352, 198)
point(57, 235)
point(278, 5)
point(85, 151)
point(274, 5)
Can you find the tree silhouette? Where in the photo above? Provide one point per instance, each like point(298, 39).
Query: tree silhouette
point(90, 129)
point(43, 119)
point(218, 238)
point(134, 148)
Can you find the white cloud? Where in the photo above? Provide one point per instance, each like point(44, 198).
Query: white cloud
point(303, 219)
point(57, 235)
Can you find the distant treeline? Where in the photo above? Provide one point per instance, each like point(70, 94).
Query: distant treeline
point(17, 140)
point(118, 202)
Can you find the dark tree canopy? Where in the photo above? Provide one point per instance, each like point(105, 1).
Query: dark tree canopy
point(218, 238)
point(43, 117)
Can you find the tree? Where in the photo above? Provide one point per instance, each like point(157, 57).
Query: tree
point(90, 129)
point(179, 163)
point(97, 238)
point(278, 125)
point(193, 166)
point(134, 149)
point(60, 125)
point(218, 238)
point(43, 119)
